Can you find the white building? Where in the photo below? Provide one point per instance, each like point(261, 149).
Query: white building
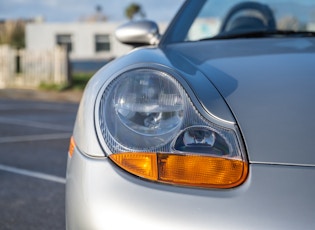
point(85, 40)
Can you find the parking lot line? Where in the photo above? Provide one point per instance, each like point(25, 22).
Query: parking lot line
point(35, 124)
point(41, 137)
point(38, 107)
point(33, 174)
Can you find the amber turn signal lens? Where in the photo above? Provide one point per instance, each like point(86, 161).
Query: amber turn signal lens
point(71, 146)
point(188, 170)
point(140, 164)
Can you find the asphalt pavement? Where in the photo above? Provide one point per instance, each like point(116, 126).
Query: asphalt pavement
point(35, 127)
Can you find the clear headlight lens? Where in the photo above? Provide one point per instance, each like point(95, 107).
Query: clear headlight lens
point(148, 104)
point(141, 110)
point(153, 130)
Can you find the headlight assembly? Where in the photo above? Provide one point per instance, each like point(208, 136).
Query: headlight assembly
point(142, 110)
point(150, 127)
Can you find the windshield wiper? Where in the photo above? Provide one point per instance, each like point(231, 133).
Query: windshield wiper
point(263, 34)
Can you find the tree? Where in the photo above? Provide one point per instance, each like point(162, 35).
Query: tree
point(134, 9)
point(18, 36)
point(13, 33)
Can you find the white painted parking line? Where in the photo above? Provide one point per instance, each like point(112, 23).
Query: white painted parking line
point(33, 174)
point(41, 137)
point(38, 107)
point(34, 124)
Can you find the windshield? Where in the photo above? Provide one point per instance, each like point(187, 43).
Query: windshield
point(215, 19)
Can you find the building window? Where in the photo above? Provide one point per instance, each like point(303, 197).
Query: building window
point(64, 40)
point(102, 42)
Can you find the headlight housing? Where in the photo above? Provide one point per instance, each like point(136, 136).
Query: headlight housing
point(150, 127)
point(141, 110)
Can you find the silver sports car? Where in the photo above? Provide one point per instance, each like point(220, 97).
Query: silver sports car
point(208, 126)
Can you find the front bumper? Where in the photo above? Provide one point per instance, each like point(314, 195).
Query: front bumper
point(99, 195)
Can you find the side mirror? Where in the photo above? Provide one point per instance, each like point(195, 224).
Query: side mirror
point(138, 33)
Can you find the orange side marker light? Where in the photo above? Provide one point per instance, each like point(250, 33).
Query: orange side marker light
point(71, 146)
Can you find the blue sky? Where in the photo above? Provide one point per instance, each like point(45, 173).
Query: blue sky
point(73, 10)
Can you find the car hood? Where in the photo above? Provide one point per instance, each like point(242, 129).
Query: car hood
point(269, 85)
